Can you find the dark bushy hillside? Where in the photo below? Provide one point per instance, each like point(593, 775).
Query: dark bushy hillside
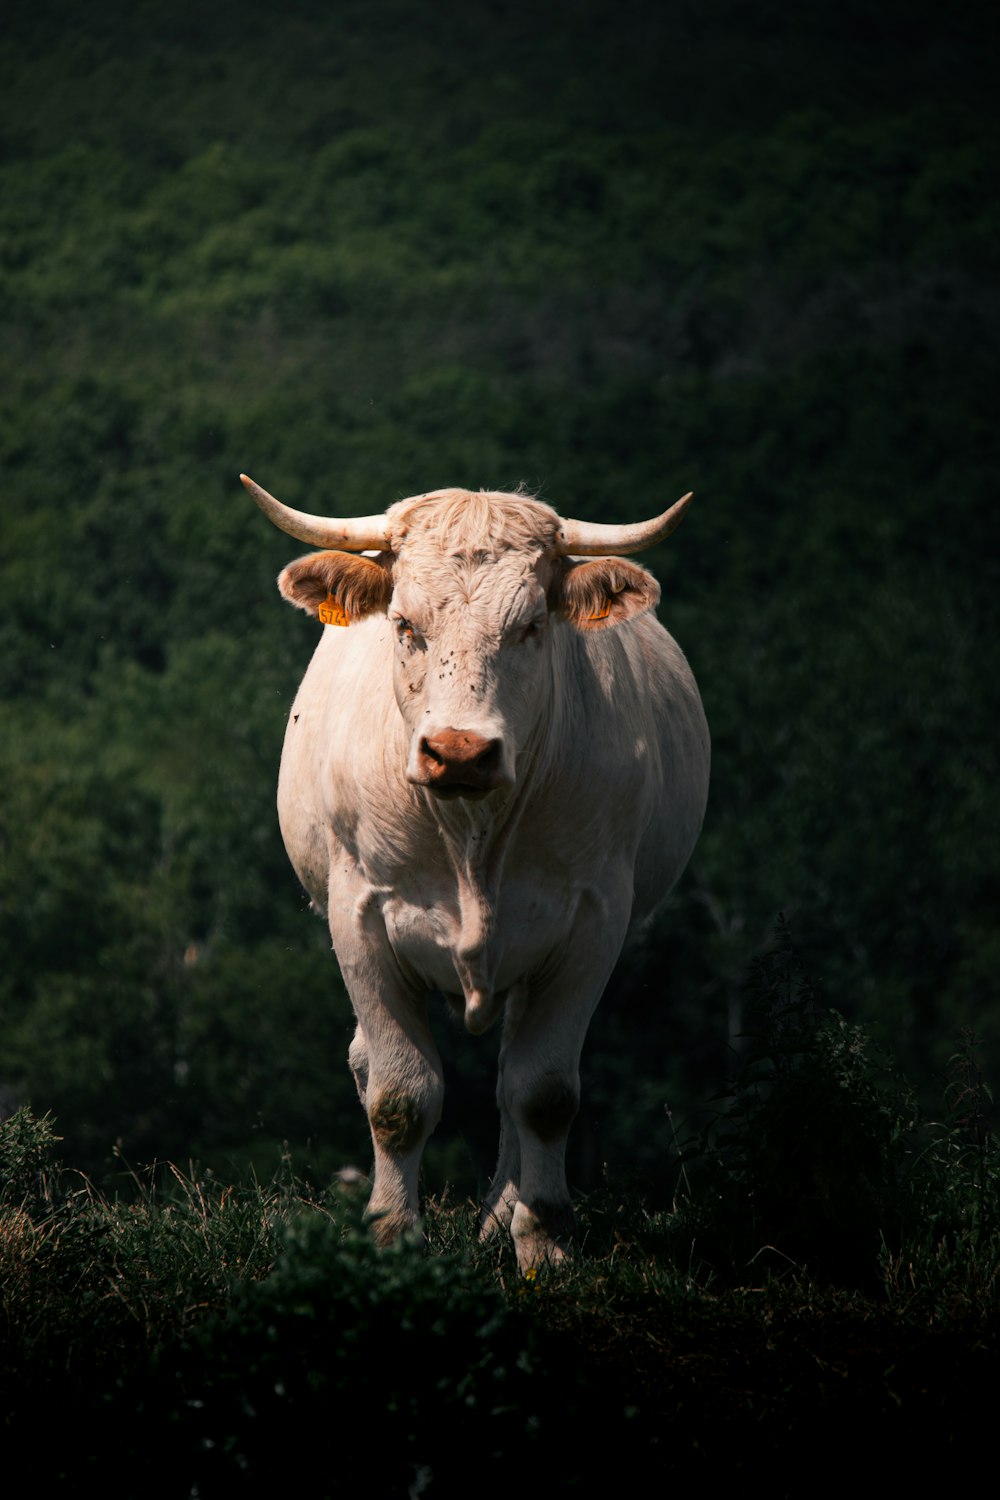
point(615, 252)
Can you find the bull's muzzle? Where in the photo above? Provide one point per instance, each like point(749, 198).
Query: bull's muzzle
point(459, 763)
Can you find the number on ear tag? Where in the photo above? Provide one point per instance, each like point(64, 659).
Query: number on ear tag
point(332, 613)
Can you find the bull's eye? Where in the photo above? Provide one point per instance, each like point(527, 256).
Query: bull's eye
point(533, 631)
point(406, 632)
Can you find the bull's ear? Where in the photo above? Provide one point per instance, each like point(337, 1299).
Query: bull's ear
point(600, 594)
point(339, 581)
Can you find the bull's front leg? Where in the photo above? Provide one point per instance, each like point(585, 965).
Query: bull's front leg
point(541, 1095)
point(540, 1078)
point(393, 1057)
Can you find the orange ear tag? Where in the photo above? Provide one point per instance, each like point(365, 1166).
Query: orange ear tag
point(603, 614)
point(332, 613)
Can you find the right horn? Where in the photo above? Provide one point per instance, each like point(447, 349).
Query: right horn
point(591, 539)
point(352, 534)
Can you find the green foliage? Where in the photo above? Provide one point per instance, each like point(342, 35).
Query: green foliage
point(26, 1146)
point(804, 1167)
point(949, 1248)
point(90, 1285)
point(416, 1359)
point(614, 252)
point(821, 1163)
point(227, 1327)
point(235, 1316)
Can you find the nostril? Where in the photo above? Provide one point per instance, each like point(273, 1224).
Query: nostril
point(489, 760)
point(428, 752)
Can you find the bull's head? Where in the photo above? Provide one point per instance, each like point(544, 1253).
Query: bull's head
point(470, 582)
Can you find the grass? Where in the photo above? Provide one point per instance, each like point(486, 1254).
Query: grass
point(825, 1283)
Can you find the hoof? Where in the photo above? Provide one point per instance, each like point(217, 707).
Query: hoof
point(497, 1212)
point(387, 1225)
point(542, 1236)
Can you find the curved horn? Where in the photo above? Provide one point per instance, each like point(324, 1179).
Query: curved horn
point(354, 534)
point(590, 539)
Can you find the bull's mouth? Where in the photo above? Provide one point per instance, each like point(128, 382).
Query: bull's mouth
point(457, 789)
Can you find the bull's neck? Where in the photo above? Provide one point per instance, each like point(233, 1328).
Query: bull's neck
point(477, 834)
point(477, 837)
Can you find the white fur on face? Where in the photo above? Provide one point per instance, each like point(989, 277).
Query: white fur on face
point(470, 649)
point(469, 616)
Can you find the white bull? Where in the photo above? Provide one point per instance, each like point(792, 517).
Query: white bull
point(489, 778)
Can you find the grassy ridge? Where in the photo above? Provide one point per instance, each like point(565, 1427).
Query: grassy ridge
point(790, 1300)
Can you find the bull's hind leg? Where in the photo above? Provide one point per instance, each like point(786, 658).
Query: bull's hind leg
point(501, 1200)
point(503, 1194)
point(357, 1056)
point(502, 1197)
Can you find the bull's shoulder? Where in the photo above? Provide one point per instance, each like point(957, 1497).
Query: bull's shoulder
point(629, 723)
point(636, 669)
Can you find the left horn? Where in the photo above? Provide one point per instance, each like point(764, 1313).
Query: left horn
point(590, 539)
point(352, 534)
